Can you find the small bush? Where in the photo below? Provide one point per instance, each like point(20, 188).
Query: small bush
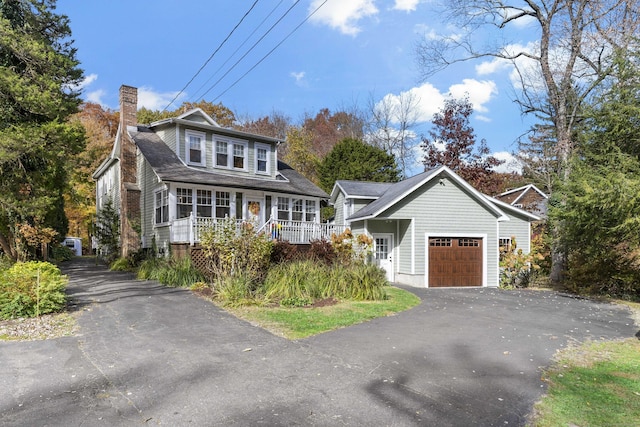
point(61, 253)
point(30, 289)
point(236, 290)
point(322, 251)
point(120, 264)
point(172, 272)
point(284, 251)
point(296, 302)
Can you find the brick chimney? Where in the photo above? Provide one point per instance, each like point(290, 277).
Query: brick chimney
point(129, 190)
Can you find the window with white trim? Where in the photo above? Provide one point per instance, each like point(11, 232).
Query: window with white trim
point(239, 156)
point(310, 211)
point(297, 209)
point(283, 209)
point(223, 204)
point(231, 154)
point(161, 206)
point(204, 203)
point(262, 159)
point(222, 154)
point(184, 202)
point(195, 148)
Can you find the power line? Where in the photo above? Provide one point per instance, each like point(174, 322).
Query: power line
point(212, 55)
point(270, 52)
point(252, 47)
point(236, 51)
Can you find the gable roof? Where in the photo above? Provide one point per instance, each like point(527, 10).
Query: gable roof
point(359, 189)
point(169, 168)
point(397, 192)
point(516, 194)
point(510, 208)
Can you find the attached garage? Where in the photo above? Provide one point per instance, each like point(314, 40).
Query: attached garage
point(455, 261)
point(432, 229)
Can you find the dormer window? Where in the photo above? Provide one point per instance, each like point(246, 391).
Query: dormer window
point(195, 148)
point(262, 159)
point(231, 154)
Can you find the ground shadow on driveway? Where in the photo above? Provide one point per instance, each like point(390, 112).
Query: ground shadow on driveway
point(150, 355)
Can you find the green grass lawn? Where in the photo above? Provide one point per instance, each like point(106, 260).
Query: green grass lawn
point(301, 322)
point(594, 384)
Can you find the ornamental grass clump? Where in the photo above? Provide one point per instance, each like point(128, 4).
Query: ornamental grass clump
point(30, 289)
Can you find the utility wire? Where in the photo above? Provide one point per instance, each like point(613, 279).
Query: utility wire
point(236, 51)
point(212, 55)
point(251, 48)
point(271, 51)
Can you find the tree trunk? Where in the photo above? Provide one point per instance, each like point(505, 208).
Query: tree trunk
point(7, 248)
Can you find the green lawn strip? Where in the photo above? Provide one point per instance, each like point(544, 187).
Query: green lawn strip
point(595, 384)
point(301, 322)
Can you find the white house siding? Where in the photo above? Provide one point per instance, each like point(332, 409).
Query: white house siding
point(108, 187)
point(518, 226)
point(442, 207)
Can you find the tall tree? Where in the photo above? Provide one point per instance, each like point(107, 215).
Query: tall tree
point(600, 212)
point(299, 154)
point(100, 126)
point(575, 42)
point(274, 125)
point(391, 127)
point(327, 129)
point(356, 160)
point(38, 71)
point(452, 143)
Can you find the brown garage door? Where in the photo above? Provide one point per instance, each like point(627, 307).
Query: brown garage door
point(455, 261)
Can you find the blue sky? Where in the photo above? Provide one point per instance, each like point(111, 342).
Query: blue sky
point(347, 52)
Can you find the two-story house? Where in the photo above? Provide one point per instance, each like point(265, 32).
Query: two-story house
point(172, 177)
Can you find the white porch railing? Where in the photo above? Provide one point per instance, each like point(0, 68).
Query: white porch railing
point(189, 229)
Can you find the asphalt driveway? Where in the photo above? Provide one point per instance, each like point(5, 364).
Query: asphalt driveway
point(150, 355)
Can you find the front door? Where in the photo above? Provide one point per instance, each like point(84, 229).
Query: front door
point(383, 253)
point(255, 214)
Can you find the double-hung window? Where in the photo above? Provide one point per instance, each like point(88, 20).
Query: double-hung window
point(262, 159)
point(223, 204)
point(195, 142)
point(184, 202)
point(162, 206)
point(283, 209)
point(222, 154)
point(204, 205)
point(231, 155)
point(310, 211)
point(297, 209)
point(239, 156)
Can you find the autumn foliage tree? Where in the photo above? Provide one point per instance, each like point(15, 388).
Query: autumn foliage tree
point(100, 126)
point(452, 143)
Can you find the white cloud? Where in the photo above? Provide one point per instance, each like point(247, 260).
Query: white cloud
point(479, 92)
point(406, 5)
point(430, 100)
point(511, 164)
point(343, 15)
point(298, 77)
point(152, 100)
point(87, 81)
point(96, 97)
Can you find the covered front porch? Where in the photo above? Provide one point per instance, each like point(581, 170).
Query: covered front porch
point(189, 229)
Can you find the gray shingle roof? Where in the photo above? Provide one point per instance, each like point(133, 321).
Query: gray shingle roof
point(363, 189)
point(168, 167)
point(393, 193)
